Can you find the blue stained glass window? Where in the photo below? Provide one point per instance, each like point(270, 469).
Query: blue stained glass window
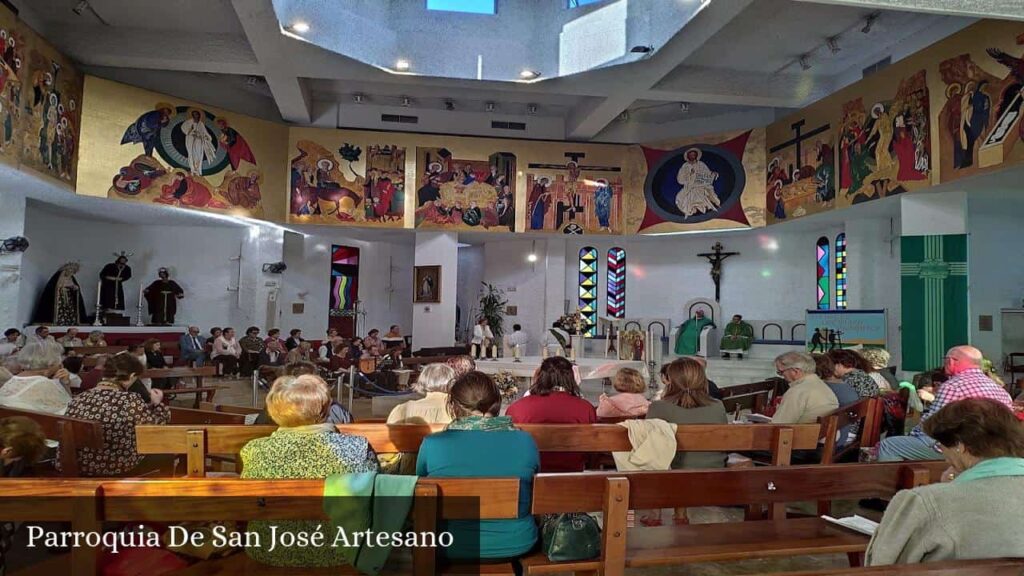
point(589, 266)
point(841, 293)
point(824, 273)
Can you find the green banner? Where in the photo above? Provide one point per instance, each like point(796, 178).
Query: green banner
point(933, 292)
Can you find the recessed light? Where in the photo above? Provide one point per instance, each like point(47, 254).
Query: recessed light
point(527, 74)
point(402, 65)
point(300, 26)
point(531, 257)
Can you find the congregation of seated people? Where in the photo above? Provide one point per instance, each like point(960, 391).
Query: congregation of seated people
point(966, 420)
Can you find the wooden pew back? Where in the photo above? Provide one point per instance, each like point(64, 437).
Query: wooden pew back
point(71, 433)
point(228, 408)
point(198, 440)
point(188, 416)
point(864, 415)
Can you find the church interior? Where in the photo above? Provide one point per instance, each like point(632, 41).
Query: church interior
point(512, 287)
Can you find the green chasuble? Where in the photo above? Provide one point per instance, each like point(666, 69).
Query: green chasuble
point(738, 336)
point(688, 340)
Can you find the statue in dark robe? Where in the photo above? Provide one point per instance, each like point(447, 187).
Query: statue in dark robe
point(61, 303)
point(112, 279)
point(162, 297)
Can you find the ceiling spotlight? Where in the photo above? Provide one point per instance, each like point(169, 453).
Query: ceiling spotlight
point(402, 65)
point(252, 81)
point(527, 74)
point(833, 44)
point(358, 98)
point(531, 108)
point(624, 116)
point(490, 106)
point(406, 101)
point(300, 26)
point(531, 257)
point(449, 105)
point(869, 22)
point(805, 62)
point(80, 7)
point(684, 107)
point(641, 49)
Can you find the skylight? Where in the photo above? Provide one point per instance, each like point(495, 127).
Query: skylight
point(467, 6)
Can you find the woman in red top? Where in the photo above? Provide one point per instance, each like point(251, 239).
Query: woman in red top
point(554, 398)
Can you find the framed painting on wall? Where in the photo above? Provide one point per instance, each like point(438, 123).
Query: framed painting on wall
point(426, 285)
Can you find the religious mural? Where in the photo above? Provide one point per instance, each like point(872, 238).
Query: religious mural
point(176, 153)
point(708, 183)
point(574, 198)
point(981, 120)
point(40, 103)
point(342, 186)
point(885, 145)
point(461, 194)
point(801, 172)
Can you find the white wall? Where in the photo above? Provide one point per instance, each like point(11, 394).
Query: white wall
point(506, 266)
point(385, 283)
point(996, 277)
point(433, 325)
point(199, 258)
point(12, 223)
point(872, 265)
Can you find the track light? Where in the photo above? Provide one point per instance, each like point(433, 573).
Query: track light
point(80, 7)
point(833, 44)
point(805, 62)
point(684, 107)
point(406, 101)
point(641, 49)
point(624, 116)
point(358, 98)
point(531, 108)
point(449, 105)
point(490, 106)
point(869, 22)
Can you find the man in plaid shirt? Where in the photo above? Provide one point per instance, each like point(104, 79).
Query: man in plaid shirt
point(963, 364)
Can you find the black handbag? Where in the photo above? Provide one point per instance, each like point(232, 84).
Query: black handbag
point(571, 537)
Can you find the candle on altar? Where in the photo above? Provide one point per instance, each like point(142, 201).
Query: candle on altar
point(515, 351)
point(99, 288)
point(140, 296)
point(494, 351)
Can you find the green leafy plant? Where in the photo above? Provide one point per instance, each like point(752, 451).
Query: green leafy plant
point(492, 307)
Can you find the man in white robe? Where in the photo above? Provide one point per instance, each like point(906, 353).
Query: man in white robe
point(198, 142)
point(697, 181)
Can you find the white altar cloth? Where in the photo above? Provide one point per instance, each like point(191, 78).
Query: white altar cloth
point(590, 368)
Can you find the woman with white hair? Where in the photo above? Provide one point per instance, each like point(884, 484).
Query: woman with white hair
point(433, 383)
point(879, 359)
point(41, 383)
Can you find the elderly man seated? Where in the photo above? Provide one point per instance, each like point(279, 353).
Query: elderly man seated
point(808, 397)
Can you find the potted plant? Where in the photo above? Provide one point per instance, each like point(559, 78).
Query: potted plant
point(492, 307)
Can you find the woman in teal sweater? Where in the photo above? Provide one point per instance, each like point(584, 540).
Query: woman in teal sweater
point(479, 443)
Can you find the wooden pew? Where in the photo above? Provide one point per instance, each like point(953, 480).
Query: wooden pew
point(71, 433)
point(197, 374)
point(187, 416)
point(228, 408)
point(755, 396)
point(614, 493)
point(417, 362)
point(95, 350)
point(199, 441)
point(864, 414)
point(996, 567)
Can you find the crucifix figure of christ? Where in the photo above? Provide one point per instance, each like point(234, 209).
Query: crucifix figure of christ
point(567, 208)
point(715, 258)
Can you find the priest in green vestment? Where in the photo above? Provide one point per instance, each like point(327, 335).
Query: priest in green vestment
point(738, 337)
point(688, 338)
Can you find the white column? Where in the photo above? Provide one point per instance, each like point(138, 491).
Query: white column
point(554, 279)
point(12, 223)
point(433, 325)
point(259, 292)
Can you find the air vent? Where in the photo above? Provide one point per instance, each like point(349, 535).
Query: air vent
point(399, 119)
point(508, 125)
point(883, 63)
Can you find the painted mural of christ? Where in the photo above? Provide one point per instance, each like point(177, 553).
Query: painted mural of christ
point(198, 142)
point(697, 181)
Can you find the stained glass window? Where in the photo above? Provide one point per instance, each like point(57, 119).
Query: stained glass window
point(824, 272)
point(616, 283)
point(841, 271)
point(344, 289)
point(588, 289)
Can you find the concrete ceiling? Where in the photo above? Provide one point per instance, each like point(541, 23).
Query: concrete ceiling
point(734, 61)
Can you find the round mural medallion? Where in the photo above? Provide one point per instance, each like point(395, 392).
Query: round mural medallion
point(694, 184)
point(177, 148)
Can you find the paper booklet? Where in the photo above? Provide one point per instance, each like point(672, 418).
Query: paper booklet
point(857, 523)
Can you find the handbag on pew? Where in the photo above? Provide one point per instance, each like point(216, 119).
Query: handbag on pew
point(570, 537)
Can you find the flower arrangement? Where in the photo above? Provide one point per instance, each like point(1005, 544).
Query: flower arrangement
point(572, 323)
point(507, 385)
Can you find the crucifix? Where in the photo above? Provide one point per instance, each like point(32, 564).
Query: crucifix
point(715, 258)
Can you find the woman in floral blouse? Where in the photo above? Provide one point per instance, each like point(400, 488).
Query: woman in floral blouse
point(119, 411)
point(853, 369)
point(305, 446)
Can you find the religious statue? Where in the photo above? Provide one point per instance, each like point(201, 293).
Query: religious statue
point(61, 303)
point(688, 339)
point(162, 296)
point(715, 258)
point(738, 337)
point(112, 279)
